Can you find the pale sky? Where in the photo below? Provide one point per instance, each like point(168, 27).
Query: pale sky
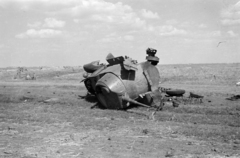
point(76, 32)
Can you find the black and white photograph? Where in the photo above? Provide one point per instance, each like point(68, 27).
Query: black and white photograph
point(119, 78)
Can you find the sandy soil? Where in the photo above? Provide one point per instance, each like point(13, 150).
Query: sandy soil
point(47, 118)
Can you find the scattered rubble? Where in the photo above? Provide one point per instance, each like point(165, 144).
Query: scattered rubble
point(233, 98)
point(23, 73)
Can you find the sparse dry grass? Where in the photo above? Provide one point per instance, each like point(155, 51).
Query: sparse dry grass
point(68, 127)
point(206, 74)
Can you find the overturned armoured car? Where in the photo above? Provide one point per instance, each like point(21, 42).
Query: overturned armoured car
point(124, 81)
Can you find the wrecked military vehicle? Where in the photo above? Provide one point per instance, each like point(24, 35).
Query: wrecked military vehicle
point(124, 81)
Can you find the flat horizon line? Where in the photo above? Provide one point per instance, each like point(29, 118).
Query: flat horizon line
point(157, 65)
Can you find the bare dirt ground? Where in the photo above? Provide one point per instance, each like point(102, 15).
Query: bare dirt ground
point(47, 118)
